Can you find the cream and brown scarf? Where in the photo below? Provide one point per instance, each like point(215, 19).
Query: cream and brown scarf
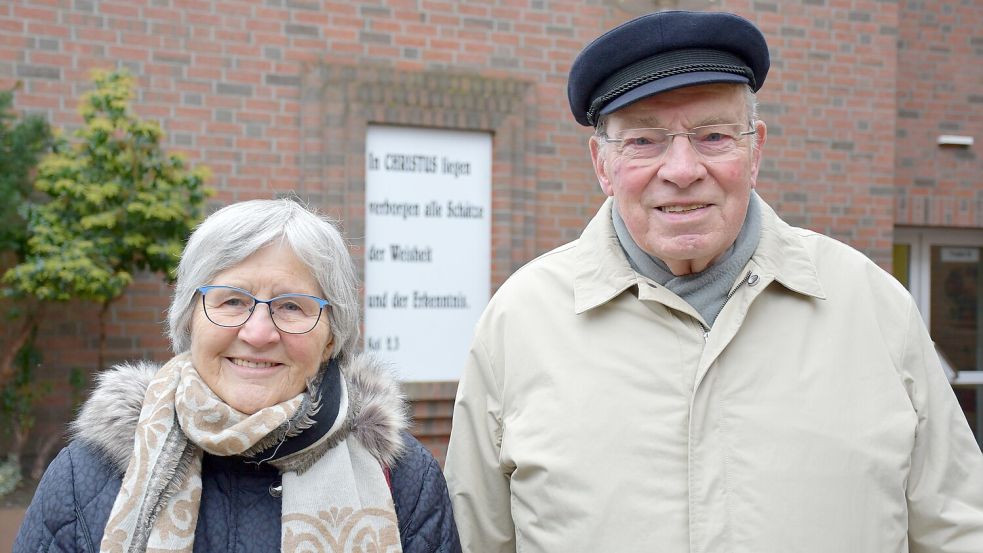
point(340, 503)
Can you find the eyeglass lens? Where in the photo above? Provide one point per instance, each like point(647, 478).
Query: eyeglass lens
point(713, 142)
point(291, 313)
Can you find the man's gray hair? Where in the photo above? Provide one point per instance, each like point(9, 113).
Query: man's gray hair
point(233, 233)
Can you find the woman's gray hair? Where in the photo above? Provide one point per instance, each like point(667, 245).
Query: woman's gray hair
point(233, 233)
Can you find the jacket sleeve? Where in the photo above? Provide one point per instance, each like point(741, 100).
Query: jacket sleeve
point(479, 484)
point(71, 504)
point(945, 486)
point(426, 520)
point(49, 523)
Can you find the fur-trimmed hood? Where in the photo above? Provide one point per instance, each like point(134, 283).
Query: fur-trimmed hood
point(108, 419)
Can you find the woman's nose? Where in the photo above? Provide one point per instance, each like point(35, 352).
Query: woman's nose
point(259, 328)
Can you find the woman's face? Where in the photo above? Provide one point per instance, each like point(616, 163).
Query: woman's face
point(255, 365)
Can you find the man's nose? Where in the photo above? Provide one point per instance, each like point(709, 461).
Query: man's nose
point(681, 164)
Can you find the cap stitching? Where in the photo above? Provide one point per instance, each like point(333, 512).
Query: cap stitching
point(600, 101)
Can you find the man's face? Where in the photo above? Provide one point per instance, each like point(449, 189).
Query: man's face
point(681, 208)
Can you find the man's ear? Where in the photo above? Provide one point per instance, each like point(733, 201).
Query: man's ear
point(602, 167)
point(759, 141)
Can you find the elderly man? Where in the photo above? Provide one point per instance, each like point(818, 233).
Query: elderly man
point(693, 374)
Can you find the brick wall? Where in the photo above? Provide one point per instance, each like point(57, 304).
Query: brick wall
point(433, 403)
point(275, 96)
point(940, 91)
point(830, 107)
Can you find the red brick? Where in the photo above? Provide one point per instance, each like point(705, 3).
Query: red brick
point(126, 53)
point(34, 13)
point(48, 30)
point(11, 25)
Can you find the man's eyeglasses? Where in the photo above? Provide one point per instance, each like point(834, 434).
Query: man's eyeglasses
point(715, 143)
point(291, 313)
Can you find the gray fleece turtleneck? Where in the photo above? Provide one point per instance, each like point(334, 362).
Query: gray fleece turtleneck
point(707, 290)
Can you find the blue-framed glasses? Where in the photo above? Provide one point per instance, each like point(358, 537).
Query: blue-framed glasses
point(229, 306)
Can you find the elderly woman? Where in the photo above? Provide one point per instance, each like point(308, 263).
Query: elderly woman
point(265, 432)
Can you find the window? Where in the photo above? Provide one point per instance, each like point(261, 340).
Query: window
point(943, 269)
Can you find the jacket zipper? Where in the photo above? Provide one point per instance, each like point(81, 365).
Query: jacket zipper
point(750, 279)
point(84, 527)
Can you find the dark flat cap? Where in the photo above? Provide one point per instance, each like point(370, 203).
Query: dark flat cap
point(663, 51)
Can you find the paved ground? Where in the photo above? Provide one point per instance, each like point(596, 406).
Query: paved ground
point(12, 508)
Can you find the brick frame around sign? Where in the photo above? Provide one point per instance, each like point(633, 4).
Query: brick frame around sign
point(339, 102)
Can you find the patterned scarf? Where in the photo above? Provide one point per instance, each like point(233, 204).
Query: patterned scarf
point(340, 503)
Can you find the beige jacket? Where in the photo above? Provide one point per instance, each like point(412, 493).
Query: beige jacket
point(595, 415)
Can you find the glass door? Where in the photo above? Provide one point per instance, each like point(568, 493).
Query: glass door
point(943, 269)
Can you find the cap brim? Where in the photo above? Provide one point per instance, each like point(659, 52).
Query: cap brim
point(670, 83)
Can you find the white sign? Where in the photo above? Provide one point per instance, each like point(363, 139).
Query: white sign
point(952, 254)
point(427, 246)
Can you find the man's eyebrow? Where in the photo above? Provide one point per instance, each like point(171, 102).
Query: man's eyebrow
point(718, 120)
point(651, 122)
point(646, 122)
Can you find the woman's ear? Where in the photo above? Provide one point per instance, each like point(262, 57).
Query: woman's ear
point(328, 348)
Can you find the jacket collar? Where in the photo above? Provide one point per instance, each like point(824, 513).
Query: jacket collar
point(782, 253)
point(603, 271)
point(108, 419)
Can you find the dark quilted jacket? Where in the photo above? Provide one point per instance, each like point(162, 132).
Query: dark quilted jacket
point(237, 514)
